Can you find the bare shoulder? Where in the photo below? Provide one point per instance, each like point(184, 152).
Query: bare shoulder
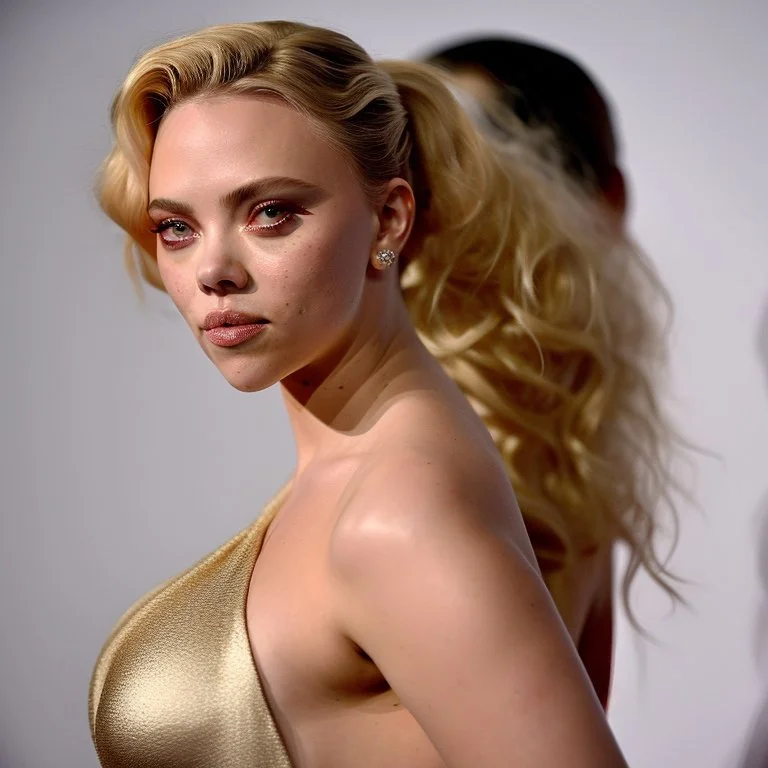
point(433, 582)
point(415, 495)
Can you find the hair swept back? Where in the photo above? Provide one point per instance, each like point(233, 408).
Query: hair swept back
point(540, 316)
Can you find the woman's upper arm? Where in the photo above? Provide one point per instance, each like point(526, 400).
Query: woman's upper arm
point(464, 631)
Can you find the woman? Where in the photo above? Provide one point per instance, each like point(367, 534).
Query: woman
point(387, 608)
point(550, 93)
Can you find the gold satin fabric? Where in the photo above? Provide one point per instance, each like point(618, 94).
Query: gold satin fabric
point(175, 685)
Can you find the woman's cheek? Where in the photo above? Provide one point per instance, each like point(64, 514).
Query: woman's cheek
point(176, 287)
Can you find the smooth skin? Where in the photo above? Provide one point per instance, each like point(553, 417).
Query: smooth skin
point(396, 612)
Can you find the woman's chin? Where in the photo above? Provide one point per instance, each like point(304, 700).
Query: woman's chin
point(245, 380)
point(248, 386)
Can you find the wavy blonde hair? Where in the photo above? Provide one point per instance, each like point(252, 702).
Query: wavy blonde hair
point(513, 282)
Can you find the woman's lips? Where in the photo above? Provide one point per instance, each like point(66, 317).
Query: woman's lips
point(232, 335)
point(228, 327)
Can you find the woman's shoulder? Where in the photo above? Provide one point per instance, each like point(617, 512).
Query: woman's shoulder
point(432, 582)
point(428, 488)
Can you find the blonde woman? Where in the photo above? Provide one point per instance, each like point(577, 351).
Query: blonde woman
point(339, 226)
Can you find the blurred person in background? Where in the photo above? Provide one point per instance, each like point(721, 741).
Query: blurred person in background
point(550, 93)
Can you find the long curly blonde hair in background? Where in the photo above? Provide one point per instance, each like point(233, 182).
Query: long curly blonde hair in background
point(543, 319)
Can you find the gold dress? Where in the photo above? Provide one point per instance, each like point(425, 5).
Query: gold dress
point(176, 685)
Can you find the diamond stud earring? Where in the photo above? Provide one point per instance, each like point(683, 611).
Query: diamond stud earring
point(384, 258)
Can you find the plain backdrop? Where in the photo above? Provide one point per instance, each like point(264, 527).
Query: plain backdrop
point(126, 456)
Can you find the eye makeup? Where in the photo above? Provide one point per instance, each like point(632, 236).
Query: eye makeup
point(276, 216)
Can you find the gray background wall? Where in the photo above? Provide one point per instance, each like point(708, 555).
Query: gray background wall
point(110, 414)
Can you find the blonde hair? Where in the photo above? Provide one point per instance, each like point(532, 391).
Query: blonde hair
point(512, 281)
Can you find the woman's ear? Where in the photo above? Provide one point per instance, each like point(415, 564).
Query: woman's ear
point(396, 212)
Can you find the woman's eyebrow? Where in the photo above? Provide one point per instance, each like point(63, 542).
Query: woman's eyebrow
point(171, 206)
point(268, 186)
point(248, 191)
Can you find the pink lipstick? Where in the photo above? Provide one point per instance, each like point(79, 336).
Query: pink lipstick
point(227, 328)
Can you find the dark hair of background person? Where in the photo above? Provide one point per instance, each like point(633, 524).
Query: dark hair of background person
point(546, 88)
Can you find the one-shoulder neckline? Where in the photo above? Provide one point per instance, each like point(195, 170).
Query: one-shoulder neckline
point(227, 572)
point(257, 537)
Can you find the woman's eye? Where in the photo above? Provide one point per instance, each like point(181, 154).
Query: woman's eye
point(173, 231)
point(271, 216)
point(272, 213)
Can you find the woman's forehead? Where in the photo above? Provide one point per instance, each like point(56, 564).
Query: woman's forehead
point(228, 138)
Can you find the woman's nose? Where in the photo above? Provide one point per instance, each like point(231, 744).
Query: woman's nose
point(220, 272)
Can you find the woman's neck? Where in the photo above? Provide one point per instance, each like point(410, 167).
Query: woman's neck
point(337, 402)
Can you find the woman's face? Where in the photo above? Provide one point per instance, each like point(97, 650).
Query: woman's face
point(264, 235)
